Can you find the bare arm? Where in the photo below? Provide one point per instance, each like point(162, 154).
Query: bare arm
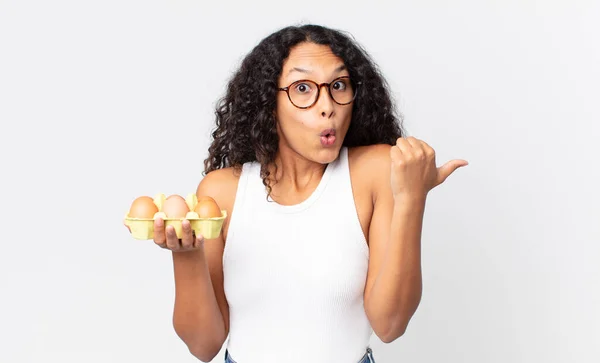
point(394, 285)
point(407, 172)
point(201, 313)
point(197, 316)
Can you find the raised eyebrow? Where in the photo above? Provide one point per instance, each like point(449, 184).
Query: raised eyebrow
point(298, 69)
point(302, 70)
point(340, 68)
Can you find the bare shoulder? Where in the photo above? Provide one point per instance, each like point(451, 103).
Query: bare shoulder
point(370, 165)
point(221, 185)
point(369, 172)
point(370, 155)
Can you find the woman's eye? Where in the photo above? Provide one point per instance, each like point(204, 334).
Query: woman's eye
point(339, 86)
point(302, 88)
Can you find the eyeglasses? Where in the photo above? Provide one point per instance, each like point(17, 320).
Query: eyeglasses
point(305, 93)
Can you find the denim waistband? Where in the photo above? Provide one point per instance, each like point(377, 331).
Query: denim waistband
point(367, 358)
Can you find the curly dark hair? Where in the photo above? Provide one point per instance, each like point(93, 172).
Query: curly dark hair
point(245, 122)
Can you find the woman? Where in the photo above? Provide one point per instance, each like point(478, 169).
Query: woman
point(325, 200)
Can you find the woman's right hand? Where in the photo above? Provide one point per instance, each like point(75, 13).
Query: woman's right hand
point(167, 239)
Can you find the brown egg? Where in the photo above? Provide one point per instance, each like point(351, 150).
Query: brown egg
point(175, 207)
point(207, 207)
point(143, 207)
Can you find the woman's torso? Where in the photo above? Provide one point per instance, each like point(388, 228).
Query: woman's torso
point(360, 176)
point(302, 266)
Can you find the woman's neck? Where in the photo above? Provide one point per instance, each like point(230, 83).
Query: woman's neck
point(294, 173)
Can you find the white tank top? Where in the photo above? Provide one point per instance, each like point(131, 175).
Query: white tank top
point(294, 276)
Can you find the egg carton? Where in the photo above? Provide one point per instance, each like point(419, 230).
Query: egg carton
point(143, 228)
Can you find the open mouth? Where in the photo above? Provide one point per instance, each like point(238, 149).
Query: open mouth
point(328, 137)
point(328, 132)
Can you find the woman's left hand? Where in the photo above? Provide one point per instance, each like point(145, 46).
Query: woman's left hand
point(414, 172)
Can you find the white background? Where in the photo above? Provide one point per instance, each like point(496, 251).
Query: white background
point(103, 101)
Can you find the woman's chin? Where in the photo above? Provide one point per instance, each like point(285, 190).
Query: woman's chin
point(327, 155)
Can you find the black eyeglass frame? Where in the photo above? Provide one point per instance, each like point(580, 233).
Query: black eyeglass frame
point(319, 86)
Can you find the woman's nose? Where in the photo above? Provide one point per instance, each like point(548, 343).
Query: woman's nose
point(325, 102)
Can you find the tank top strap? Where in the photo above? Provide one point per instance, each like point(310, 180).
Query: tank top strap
point(340, 184)
point(340, 165)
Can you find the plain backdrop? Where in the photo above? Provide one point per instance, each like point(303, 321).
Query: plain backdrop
point(104, 101)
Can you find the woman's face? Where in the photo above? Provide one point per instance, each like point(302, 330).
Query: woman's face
point(315, 133)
